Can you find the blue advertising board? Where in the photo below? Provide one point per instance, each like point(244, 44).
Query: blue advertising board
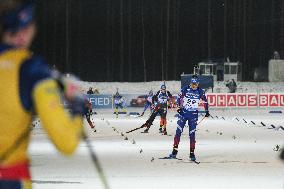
point(100, 101)
point(105, 101)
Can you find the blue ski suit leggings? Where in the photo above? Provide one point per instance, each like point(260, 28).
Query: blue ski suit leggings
point(148, 105)
point(191, 118)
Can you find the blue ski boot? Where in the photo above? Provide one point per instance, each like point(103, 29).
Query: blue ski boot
point(173, 155)
point(192, 156)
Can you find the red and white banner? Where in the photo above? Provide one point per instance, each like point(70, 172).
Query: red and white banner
point(245, 99)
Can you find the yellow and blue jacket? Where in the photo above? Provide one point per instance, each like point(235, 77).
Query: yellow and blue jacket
point(26, 87)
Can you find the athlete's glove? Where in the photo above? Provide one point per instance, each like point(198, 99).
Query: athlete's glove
point(179, 110)
point(207, 114)
point(70, 87)
point(153, 106)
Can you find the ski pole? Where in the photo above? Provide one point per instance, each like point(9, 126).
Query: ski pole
point(95, 161)
point(144, 125)
point(197, 124)
point(59, 78)
point(201, 120)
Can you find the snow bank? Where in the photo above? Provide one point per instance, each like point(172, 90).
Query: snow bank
point(174, 87)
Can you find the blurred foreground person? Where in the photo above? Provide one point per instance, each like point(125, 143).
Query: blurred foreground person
point(27, 87)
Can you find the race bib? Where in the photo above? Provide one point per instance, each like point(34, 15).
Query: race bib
point(117, 101)
point(190, 104)
point(162, 100)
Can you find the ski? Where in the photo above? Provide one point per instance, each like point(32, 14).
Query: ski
point(191, 161)
point(144, 132)
point(180, 159)
point(144, 125)
point(194, 161)
point(167, 157)
point(167, 135)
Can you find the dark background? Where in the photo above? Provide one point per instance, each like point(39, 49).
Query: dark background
point(145, 40)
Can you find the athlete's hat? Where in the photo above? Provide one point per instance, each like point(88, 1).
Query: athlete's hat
point(194, 80)
point(19, 18)
point(163, 87)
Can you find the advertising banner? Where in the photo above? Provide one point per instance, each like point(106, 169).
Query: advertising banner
point(100, 101)
point(106, 101)
point(245, 100)
point(214, 100)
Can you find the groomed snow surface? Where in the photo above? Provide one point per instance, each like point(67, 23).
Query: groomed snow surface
point(233, 155)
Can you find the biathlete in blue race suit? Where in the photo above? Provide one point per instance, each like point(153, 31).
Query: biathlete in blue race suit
point(148, 103)
point(188, 112)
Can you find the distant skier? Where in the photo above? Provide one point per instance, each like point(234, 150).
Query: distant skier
point(148, 103)
point(188, 112)
point(119, 102)
point(88, 115)
point(160, 102)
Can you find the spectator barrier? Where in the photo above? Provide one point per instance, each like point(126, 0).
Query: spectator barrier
point(218, 100)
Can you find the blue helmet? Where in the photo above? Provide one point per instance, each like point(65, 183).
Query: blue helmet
point(194, 80)
point(163, 87)
point(117, 93)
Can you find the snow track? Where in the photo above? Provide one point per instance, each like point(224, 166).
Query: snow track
point(233, 155)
